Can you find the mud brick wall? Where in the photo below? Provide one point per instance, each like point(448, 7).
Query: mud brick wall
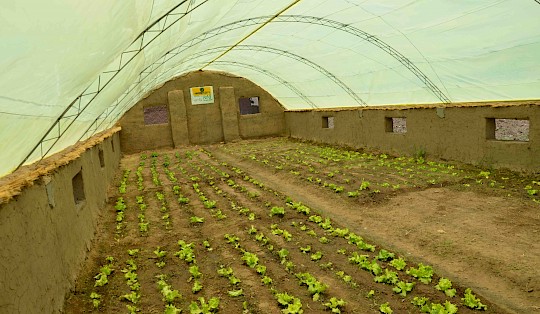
point(201, 124)
point(461, 132)
point(45, 233)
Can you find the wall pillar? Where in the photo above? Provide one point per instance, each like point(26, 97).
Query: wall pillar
point(229, 115)
point(178, 115)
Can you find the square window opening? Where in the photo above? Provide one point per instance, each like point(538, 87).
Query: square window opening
point(328, 122)
point(513, 130)
point(101, 158)
point(78, 188)
point(396, 125)
point(156, 115)
point(249, 105)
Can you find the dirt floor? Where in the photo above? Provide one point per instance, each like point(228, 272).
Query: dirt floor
point(477, 228)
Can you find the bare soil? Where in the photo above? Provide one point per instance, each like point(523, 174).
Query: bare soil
point(477, 228)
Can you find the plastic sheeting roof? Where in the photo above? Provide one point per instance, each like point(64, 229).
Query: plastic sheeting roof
point(71, 69)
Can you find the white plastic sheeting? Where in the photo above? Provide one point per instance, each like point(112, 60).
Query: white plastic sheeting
point(70, 69)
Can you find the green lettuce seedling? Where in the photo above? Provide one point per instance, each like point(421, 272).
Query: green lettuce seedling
point(423, 273)
point(402, 288)
point(445, 285)
point(471, 301)
point(335, 304)
point(385, 308)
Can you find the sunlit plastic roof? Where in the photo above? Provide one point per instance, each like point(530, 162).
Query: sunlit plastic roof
point(71, 69)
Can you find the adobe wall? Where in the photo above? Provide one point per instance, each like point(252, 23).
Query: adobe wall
point(457, 132)
point(202, 124)
point(44, 234)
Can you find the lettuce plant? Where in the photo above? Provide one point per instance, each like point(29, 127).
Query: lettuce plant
point(445, 285)
point(471, 301)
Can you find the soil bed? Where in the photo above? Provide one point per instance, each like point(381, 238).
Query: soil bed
point(474, 227)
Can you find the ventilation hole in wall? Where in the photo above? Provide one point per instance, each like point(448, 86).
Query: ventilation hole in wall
point(156, 115)
point(78, 188)
point(249, 105)
point(112, 144)
point(516, 130)
point(328, 122)
point(396, 125)
point(101, 158)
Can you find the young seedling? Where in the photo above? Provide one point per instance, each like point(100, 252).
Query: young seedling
point(283, 254)
point(207, 246)
point(423, 303)
point(306, 249)
point(315, 287)
point(385, 255)
point(445, 285)
point(324, 240)
point(96, 299)
point(389, 277)
point(335, 304)
point(195, 219)
point(447, 308)
point(289, 303)
point(261, 270)
point(252, 230)
point(471, 301)
point(203, 307)
point(398, 263)
point(402, 288)
point(250, 259)
point(422, 273)
point(385, 308)
point(266, 280)
point(277, 211)
point(236, 293)
point(316, 256)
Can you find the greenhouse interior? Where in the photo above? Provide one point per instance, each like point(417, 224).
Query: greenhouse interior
point(286, 156)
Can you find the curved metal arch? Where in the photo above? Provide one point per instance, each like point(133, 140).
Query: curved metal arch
point(76, 104)
point(288, 54)
point(299, 19)
point(307, 62)
point(270, 74)
point(373, 40)
point(313, 65)
point(316, 21)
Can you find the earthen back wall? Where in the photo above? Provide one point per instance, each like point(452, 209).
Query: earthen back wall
point(205, 122)
point(459, 133)
point(44, 235)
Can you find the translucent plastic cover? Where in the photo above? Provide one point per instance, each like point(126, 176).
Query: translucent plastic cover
point(70, 69)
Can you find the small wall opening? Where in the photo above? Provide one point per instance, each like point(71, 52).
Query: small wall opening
point(101, 158)
point(249, 105)
point(78, 188)
point(328, 122)
point(516, 130)
point(396, 125)
point(112, 144)
point(156, 115)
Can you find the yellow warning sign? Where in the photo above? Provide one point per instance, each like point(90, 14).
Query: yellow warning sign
point(202, 95)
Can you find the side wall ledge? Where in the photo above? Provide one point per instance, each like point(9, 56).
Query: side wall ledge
point(461, 133)
point(48, 217)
